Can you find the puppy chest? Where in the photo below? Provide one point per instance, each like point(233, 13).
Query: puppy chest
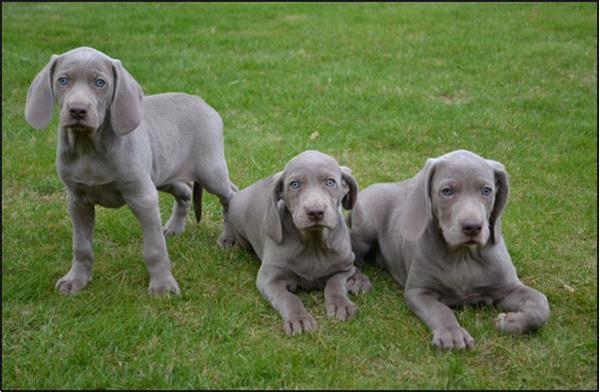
point(104, 195)
point(313, 267)
point(92, 170)
point(467, 286)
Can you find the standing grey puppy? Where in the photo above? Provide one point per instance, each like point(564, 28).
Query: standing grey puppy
point(439, 235)
point(117, 146)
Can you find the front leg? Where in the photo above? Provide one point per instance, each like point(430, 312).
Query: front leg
point(447, 333)
point(275, 289)
point(83, 219)
point(337, 302)
point(144, 204)
point(527, 309)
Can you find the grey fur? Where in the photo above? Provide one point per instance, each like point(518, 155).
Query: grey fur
point(116, 146)
point(274, 221)
point(446, 247)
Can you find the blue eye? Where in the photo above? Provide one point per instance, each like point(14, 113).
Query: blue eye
point(62, 81)
point(330, 183)
point(294, 185)
point(486, 191)
point(100, 83)
point(447, 192)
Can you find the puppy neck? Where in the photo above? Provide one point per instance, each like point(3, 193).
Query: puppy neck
point(84, 142)
point(316, 236)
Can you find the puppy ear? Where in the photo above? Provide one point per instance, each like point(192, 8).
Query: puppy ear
point(502, 190)
point(417, 211)
point(40, 99)
point(350, 185)
point(126, 106)
point(273, 217)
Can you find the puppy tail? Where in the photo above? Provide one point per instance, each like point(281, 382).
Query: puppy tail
point(197, 201)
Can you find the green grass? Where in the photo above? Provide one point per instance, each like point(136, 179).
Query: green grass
point(385, 86)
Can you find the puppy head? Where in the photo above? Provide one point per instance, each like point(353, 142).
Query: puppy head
point(312, 187)
point(466, 195)
point(88, 86)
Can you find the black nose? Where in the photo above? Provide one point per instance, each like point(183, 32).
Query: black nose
point(471, 229)
point(78, 113)
point(315, 215)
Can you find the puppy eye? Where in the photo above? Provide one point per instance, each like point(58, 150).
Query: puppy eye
point(62, 81)
point(486, 191)
point(330, 183)
point(447, 192)
point(100, 83)
point(294, 185)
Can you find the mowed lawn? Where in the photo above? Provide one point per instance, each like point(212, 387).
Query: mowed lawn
point(381, 87)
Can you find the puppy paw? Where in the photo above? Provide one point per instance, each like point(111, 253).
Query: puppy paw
point(358, 283)
point(167, 285)
point(452, 339)
point(341, 308)
point(298, 323)
point(510, 322)
point(173, 229)
point(72, 283)
point(226, 241)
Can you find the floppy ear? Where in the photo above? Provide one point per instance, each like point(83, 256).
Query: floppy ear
point(272, 217)
point(502, 190)
point(126, 106)
point(40, 99)
point(417, 211)
point(351, 186)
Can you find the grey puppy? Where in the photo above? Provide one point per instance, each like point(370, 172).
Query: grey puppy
point(293, 222)
point(439, 236)
point(116, 146)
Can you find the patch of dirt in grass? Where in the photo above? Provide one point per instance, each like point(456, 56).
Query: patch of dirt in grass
point(455, 98)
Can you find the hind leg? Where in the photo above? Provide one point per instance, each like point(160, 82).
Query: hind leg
point(217, 182)
point(226, 238)
point(182, 192)
point(359, 283)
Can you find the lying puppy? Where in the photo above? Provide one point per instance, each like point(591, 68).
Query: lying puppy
point(293, 222)
point(116, 147)
point(439, 236)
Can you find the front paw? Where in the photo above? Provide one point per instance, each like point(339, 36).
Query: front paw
point(510, 322)
point(341, 308)
point(167, 285)
point(299, 322)
point(72, 283)
point(456, 338)
point(358, 283)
